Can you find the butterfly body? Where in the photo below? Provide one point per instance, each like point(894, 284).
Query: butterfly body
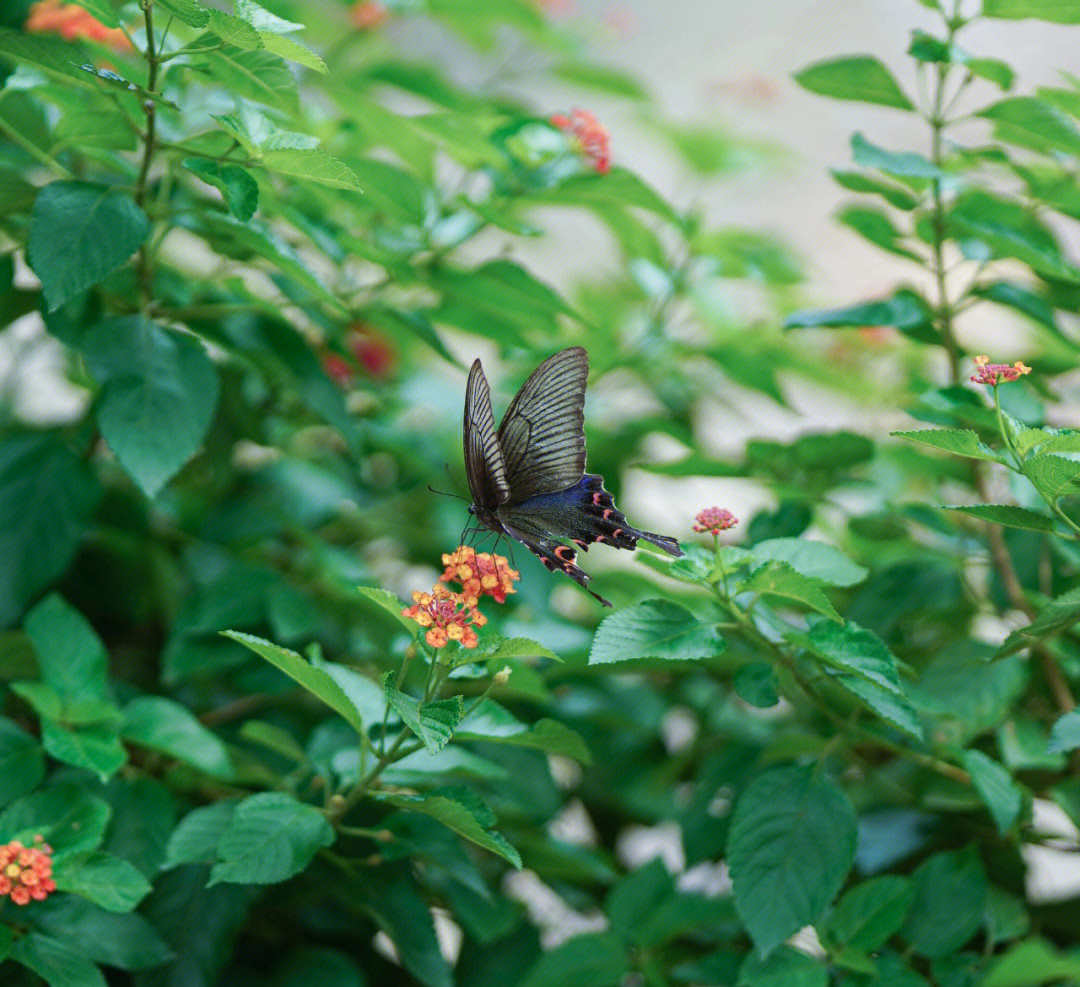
point(528, 479)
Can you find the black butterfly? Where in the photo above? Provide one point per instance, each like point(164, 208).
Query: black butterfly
point(528, 480)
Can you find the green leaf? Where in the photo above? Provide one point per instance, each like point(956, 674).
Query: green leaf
point(189, 11)
point(1029, 122)
point(69, 817)
point(127, 941)
point(239, 190)
point(270, 837)
point(1030, 964)
point(996, 787)
point(315, 680)
point(70, 655)
point(56, 962)
point(1058, 615)
point(816, 560)
point(254, 74)
point(1058, 11)
point(791, 844)
point(492, 723)
point(780, 580)
point(947, 910)
point(79, 234)
point(52, 55)
point(959, 441)
point(868, 915)
point(1065, 733)
point(1007, 514)
point(904, 164)
point(998, 72)
point(390, 603)
point(314, 165)
point(1053, 476)
point(195, 839)
point(159, 392)
point(856, 181)
point(786, 967)
point(103, 10)
point(165, 725)
point(22, 764)
point(234, 30)
point(509, 647)
point(755, 683)
point(432, 722)
point(292, 50)
point(471, 822)
point(905, 311)
point(596, 959)
point(876, 226)
point(46, 496)
point(856, 77)
point(96, 748)
point(263, 20)
point(654, 629)
point(109, 882)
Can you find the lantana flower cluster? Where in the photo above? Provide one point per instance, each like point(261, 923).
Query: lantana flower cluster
point(589, 134)
point(453, 616)
point(71, 21)
point(714, 520)
point(997, 373)
point(26, 872)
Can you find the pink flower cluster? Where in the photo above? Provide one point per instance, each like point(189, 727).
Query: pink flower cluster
point(993, 374)
point(714, 520)
point(589, 134)
point(26, 872)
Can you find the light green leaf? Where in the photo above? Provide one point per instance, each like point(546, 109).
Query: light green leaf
point(1007, 514)
point(67, 815)
point(109, 882)
point(103, 10)
point(780, 580)
point(1058, 11)
point(947, 910)
point(1065, 733)
point(390, 603)
point(270, 837)
point(79, 234)
point(868, 915)
point(1031, 964)
point(654, 629)
point(816, 560)
point(904, 164)
point(959, 441)
point(492, 723)
point(315, 680)
point(432, 722)
point(159, 393)
point(509, 647)
point(165, 725)
point(996, 787)
point(189, 11)
point(465, 820)
point(1058, 615)
point(56, 962)
point(22, 764)
point(876, 226)
point(292, 50)
point(239, 190)
point(254, 74)
point(234, 31)
point(1053, 476)
point(96, 748)
point(790, 846)
point(1030, 122)
point(895, 194)
point(69, 653)
point(262, 19)
point(855, 77)
point(314, 165)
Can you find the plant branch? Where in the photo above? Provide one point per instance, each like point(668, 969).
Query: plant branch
point(153, 60)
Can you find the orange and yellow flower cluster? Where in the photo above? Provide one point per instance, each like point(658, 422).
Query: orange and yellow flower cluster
point(26, 872)
point(480, 575)
point(997, 373)
point(589, 135)
point(71, 21)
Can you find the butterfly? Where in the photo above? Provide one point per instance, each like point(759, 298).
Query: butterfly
point(528, 479)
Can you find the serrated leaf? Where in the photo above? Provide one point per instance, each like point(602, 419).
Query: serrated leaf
point(654, 629)
point(390, 603)
point(314, 165)
point(239, 190)
point(292, 50)
point(270, 837)
point(234, 30)
point(791, 844)
point(780, 580)
point(868, 915)
point(262, 19)
point(165, 725)
point(313, 679)
point(254, 74)
point(995, 786)
point(816, 560)
point(1006, 514)
point(96, 748)
point(69, 817)
point(1053, 476)
point(195, 839)
point(189, 11)
point(432, 722)
point(509, 647)
point(959, 441)
point(109, 882)
point(1065, 733)
point(1058, 615)
point(855, 77)
point(493, 723)
point(471, 822)
point(80, 233)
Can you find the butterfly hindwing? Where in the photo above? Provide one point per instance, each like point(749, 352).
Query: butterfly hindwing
point(542, 435)
point(484, 464)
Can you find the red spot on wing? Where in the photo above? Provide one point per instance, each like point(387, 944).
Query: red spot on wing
point(564, 554)
point(596, 498)
point(607, 513)
point(616, 533)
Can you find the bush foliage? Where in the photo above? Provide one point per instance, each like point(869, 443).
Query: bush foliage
point(245, 256)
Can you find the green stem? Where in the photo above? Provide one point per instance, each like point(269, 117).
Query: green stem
point(32, 149)
point(144, 270)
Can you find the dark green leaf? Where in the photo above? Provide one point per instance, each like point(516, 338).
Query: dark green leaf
point(239, 190)
point(755, 683)
point(22, 765)
point(905, 311)
point(70, 655)
point(109, 882)
point(996, 787)
point(868, 915)
point(1007, 514)
point(1058, 615)
point(56, 962)
point(195, 839)
point(96, 748)
point(165, 725)
point(492, 723)
point(959, 441)
point(786, 967)
point(947, 910)
point(1065, 733)
point(432, 722)
point(126, 941)
point(596, 959)
point(68, 816)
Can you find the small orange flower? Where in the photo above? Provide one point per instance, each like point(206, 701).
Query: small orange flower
point(366, 15)
point(714, 520)
point(26, 872)
point(71, 21)
point(589, 135)
point(447, 617)
point(480, 575)
point(997, 373)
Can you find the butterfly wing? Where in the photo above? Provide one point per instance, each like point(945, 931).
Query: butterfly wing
point(542, 436)
point(484, 464)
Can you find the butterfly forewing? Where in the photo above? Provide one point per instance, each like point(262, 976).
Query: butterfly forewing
point(542, 436)
point(484, 464)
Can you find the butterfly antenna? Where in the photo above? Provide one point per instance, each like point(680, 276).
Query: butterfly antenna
point(443, 493)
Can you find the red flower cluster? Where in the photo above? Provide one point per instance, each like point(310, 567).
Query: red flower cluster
point(997, 373)
point(590, 136)
point(26, 872)
point(714, 520)
point(71, 21)
point(372, 352)
point(366, 15)
point(447, 616)
point(480, 575)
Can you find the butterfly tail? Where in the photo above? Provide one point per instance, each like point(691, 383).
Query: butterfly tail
point(607, 524)
point(668, 544)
